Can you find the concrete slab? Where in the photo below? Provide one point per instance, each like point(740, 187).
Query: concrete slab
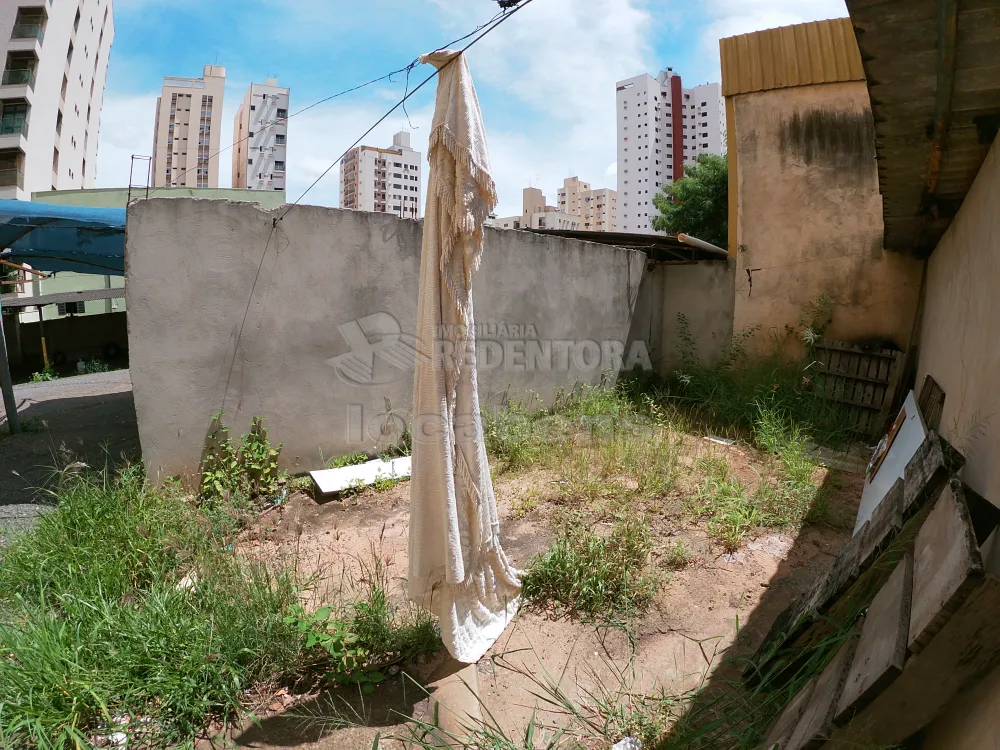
point(330, 481)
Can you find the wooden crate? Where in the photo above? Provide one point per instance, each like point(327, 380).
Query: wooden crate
point(863, 379)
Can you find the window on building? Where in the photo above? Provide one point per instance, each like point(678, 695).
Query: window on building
point(279, 139)
point(253, 107)
point(282, 114)
point(71, 308)
point(279, 166)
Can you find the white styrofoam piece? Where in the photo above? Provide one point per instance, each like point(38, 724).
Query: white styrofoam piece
point(910, 436)
point(329, 481)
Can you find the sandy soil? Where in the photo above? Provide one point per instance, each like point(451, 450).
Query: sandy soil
point(717, 605)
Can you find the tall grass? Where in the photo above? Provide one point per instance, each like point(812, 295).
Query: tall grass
point(127, 611)
point(786, 493)
point(604, 576)
point(124, 612)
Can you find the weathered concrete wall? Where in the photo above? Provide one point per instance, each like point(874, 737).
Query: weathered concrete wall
point(959, 340)
point(810, 218)
point(324, 353)
point(703, 293)
point(959, 349)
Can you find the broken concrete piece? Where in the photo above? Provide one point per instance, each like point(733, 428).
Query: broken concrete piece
point(330, 481)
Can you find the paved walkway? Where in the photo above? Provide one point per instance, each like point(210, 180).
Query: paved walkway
point(88, 418)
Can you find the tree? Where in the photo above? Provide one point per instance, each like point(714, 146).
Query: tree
point(698, 203)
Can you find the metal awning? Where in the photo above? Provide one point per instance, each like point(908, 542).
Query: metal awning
point(63, 238)
point(933, 70)
point(60, 298)
point(663, 247)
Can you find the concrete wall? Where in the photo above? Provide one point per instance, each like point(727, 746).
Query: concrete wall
point(959, 349)
point(809, 217)
point(336, 294)
point(703, 293)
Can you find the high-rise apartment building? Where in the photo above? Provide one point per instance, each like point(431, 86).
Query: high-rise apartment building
point(260, 133)
point(598, 209)
point(661, 126)
point(51, 93)
point(382, 179)
point(187, 130)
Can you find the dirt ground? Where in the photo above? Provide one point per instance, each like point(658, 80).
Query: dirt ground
point(716, 605)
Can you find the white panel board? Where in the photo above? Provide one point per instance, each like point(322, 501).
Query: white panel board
point(329, 481)
point(910, 436)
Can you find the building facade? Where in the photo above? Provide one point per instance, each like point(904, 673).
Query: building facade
point(382, 179)
point(187, 131)
point(51, 93)
point(598, 209)
point(535, 214)
point(661, 127)
point(260, 134)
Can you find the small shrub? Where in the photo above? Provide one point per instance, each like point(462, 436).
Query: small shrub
point(47, 373)
point(239, 474)
point(594, 575)
point(96, 365)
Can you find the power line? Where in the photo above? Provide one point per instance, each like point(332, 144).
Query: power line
point(496, 21)
point(405, 69)
point(488, 26)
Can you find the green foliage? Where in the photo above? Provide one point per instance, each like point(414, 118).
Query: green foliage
point(698, 203)
point(678, 556)
point(47, 373)
point(356, 645)
point(96, 365)
point(124, 602)
point(348, 459)
point(606, 576)
point(785, 496)
point(726, 397)
point(246, 472)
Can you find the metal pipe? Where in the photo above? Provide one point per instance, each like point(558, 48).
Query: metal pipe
point(701, 244)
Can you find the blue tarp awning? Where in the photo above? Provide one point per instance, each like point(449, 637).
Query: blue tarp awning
point(63, 238)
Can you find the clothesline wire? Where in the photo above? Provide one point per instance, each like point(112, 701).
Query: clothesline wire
point(405, 69)
point(485, 29)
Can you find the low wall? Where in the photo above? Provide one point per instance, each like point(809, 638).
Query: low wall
point(315, 335)
point(67, 340)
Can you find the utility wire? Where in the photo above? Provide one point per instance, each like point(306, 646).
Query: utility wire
point(488, 26)
point(388, 76)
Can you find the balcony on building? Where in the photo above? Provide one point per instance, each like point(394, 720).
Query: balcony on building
point(11, 172)
point(14, 124)
point(18, 78)
point(29, 24)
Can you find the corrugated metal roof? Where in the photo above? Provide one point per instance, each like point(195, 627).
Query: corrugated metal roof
point(59, 298)
point(800, 55)
point(921, 79)
point(656, 246)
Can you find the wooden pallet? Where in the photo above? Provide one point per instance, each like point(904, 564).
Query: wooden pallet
point(864, 380)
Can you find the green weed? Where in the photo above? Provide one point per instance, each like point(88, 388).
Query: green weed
point(46, 374)
point(607, 576)
point(678, 556)
point(124, 601)
point(239, 476)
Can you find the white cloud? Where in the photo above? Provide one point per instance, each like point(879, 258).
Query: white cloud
point(560, 58)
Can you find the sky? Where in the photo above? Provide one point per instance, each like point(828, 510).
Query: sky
point(545, 78)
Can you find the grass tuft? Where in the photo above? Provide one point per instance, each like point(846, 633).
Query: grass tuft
point(606, 576)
